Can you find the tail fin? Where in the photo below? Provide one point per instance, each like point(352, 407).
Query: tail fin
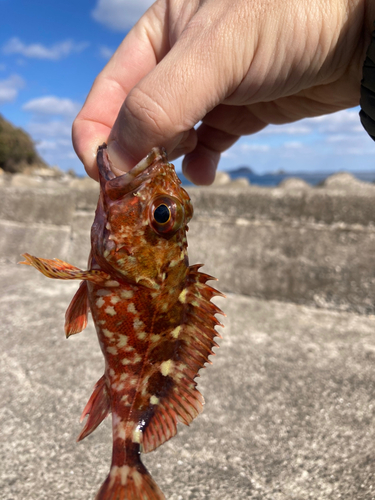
point(129, 483)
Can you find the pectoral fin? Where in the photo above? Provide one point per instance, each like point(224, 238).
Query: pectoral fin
point(60, 270)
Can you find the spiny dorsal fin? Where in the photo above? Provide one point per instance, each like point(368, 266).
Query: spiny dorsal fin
point(194, 340)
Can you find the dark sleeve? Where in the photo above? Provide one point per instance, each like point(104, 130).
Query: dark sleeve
point(367, 102)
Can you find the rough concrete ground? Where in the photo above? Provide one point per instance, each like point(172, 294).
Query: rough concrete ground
point(289, 409)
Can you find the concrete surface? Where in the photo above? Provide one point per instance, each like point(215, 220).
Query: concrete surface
point(295, 243)
point(289, 409)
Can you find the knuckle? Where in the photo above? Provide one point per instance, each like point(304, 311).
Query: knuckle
point(144, 111)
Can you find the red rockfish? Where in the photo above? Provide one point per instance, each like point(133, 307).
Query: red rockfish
point(152, 312)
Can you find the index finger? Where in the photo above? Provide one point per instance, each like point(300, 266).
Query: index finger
point(141, 50)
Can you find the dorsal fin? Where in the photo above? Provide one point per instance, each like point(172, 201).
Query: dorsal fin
point(194, 341)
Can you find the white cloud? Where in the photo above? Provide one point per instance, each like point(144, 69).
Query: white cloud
point(254, 147)
point(120, 15)
point(346, 121)
point(297, 128)
point(53, 145)
point(50, 129)
point(105, 52)
point(51, 105)
point(39, 51)
point(9, 88)
point(293, 145)
point(54, 148)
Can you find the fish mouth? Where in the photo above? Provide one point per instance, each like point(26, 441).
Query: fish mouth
point(116, 187)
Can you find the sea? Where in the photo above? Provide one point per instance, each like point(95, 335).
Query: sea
point(274, 179)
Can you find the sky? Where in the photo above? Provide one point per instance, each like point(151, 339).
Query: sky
point(51, 52)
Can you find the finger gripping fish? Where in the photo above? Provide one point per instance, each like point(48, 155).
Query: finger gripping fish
point(152, 312)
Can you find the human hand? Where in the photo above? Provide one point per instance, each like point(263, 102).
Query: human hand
point(236, 66)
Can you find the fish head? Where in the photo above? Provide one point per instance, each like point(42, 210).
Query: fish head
point(139, 232)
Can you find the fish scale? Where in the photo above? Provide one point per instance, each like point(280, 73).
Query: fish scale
point(152, 312)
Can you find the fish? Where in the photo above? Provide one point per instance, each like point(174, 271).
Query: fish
point(153, 314)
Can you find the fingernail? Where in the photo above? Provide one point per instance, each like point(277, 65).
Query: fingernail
point(121, 161)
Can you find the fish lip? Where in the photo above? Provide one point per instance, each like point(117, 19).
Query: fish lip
point(116, 187)
point(104, 163)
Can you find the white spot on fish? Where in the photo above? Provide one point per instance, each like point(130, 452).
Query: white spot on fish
point(137, 478)
point(126, 361)
point(126, 294)
point(115, 299)
point(118, 427)
point(100, 302)
point(137, 435)
point(110, 310)
point(112, 372)
point(137, 358)
point(131, 308)
point(124, 376)
point(176, 332)
point(154, 400)
point(124, 472)
point(112, 350)
point(182, 296)
point(112, 283)
point(122, 341)
point(107, 333)
point(138, 324)
point(141, 335)
point(166, 367)
point(178, 376)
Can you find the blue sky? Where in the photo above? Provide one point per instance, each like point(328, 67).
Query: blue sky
point(51, 52)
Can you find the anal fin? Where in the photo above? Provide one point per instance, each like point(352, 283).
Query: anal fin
point(97, 408)
point(77, 312)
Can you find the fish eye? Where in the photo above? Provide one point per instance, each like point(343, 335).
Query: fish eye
point(166, 215)
point(162, 214)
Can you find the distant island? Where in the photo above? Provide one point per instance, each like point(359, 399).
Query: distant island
point(242, 170)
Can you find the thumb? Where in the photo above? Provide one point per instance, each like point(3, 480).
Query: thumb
point(165, 105)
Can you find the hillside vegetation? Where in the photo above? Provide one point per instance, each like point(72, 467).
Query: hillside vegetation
point(17, 150)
